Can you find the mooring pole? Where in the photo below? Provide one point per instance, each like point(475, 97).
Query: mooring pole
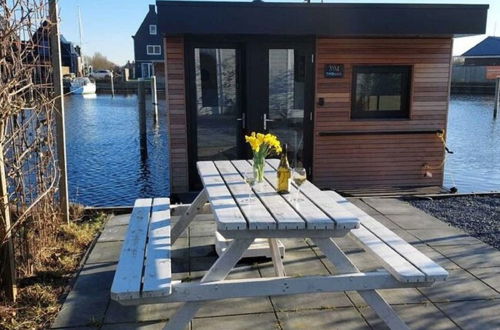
point(112, 85)
point(55, 46)
point(141, 94)
point(497, 96)
point(7, 255)
point(154, 97)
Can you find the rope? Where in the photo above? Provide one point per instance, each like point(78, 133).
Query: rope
point(440, 134)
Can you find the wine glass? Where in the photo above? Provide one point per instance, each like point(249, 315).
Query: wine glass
point(299, 176)
point(249, 177)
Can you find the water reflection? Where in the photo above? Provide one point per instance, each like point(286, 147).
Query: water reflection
point(105, 167)
point(474, 137)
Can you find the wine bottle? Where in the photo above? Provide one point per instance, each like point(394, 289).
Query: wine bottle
point(284, 173)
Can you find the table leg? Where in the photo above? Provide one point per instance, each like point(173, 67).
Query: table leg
point(188, 216)
point(279, 269)
point(342, 263)
point(219, 270)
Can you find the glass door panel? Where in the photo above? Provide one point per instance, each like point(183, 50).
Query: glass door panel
point(286, 86)
point(217, 104)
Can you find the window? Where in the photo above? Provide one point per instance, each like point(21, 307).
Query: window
point(152, 29)
point(153, 50)
point(381, 92)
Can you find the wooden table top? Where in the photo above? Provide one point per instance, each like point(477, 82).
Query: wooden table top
point(270, 214)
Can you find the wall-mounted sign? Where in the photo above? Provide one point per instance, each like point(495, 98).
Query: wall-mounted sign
point(334, 70)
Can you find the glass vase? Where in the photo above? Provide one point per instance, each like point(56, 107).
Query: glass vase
point(258, 169)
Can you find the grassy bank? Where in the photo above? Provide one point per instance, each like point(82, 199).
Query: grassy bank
point(39, 296)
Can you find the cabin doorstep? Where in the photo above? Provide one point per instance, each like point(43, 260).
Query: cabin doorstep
point(357, 91)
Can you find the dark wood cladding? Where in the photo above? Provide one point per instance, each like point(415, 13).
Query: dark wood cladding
point(176, 109)
point(364, 160)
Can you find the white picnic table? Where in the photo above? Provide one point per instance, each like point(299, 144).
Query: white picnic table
point(143, 273)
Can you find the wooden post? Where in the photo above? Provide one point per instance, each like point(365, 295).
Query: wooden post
point(112, 85)
point(55, 46)
point(141, 94)
point(8, 269)
point(154, 97)
point(497, 96)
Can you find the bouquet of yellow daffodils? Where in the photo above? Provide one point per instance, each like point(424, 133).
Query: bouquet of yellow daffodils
point(262, 146)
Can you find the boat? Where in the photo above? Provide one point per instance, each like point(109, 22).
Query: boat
point(82, 85)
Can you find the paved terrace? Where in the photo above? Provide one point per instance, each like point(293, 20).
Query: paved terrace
point(469, 299)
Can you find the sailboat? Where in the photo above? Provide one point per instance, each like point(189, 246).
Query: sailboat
point(82, 85)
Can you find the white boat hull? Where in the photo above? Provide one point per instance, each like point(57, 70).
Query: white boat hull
point(87, 89)
point(82, 85)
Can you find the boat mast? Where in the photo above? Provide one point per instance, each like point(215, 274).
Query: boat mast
point(84, 69)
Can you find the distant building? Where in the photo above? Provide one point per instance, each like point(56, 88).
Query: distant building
point(474, 70)
point(148, 47)
point(70, 57)
point(485, 53)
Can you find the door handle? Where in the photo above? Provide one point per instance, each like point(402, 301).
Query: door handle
point(242, 119)
point(266, 120)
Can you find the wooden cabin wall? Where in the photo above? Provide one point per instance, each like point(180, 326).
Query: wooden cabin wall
point(176, 109)
point(352, 161)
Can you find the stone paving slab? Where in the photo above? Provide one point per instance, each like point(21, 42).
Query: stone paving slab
point(338, 318)
point(88, 300)
point(393, 297)
point(471, 256)
point(449, 236)
point(328, 300)
point(490, 276)
point(460, 285)
point(262, 321)
point(416, 220)
point(386, 221)
point(118, 220)
point(117, 313)
point(435, 256)
point(135, 326)
point(474, 315)
point(416, 316)
point(473, 285)
point(105, 252)
point(389, 206)
point(113, 233)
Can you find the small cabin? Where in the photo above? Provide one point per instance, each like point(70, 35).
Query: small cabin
point(359, 92)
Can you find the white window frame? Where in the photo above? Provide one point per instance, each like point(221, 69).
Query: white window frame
point(153, 49)
point(149, 67)
point(154, 31)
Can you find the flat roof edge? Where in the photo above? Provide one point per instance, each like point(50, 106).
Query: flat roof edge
point(315, 4)
point(327, 19)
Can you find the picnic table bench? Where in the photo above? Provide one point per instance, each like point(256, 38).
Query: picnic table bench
point(143, 274)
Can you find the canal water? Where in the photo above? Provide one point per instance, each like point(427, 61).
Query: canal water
point(107, 168)
point(474, 137)
point(105, 164)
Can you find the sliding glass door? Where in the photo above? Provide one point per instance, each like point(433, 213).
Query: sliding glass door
point(234, 89)
point(287, 99)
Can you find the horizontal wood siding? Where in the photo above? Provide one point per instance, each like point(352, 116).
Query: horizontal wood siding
point(352, 161)
point(176, 103)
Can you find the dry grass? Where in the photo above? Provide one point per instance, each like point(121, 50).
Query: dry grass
point(39, 296)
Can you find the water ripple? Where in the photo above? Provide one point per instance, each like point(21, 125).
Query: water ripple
point(475, 138)
point(105, 167)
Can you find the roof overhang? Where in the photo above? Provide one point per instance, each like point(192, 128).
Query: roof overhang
point(320, 19)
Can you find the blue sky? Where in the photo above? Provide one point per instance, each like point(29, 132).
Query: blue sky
point(109, 24)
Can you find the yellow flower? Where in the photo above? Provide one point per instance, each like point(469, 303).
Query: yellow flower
point(264, 143)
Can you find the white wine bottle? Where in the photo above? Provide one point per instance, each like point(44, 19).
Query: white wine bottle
point(284, 173)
